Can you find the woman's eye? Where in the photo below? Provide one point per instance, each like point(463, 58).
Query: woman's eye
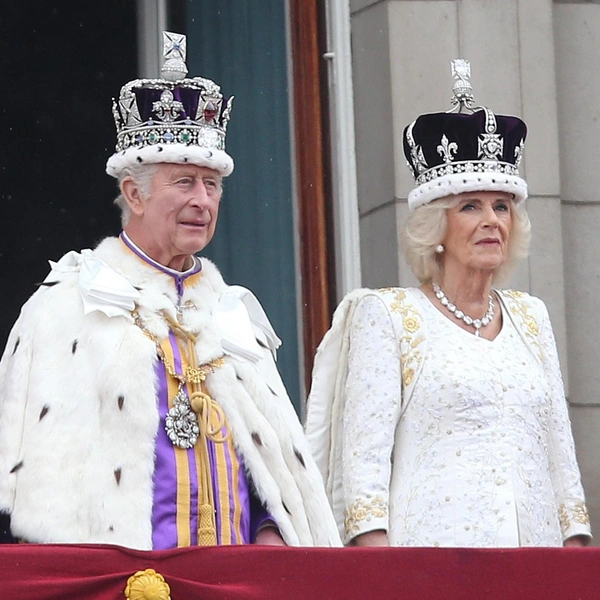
point(502, 207)
point(467, 207)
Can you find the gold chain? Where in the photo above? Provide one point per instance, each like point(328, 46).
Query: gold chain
point(192, 374)
point(205, 409)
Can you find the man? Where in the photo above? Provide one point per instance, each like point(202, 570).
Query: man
point(140, 404)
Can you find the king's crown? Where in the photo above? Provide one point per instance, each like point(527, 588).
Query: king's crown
point(173, 109)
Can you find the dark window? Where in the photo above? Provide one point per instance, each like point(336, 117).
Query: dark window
point(61, 62)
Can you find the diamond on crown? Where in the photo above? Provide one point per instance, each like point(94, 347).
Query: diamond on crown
point(167, 108)
point(174, 51)
point(169, 120)
point(172, 110)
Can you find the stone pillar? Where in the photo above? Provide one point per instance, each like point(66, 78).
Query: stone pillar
point(376, 168)
point(577, 33)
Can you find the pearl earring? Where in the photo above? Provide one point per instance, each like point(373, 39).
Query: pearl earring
point(439, 248)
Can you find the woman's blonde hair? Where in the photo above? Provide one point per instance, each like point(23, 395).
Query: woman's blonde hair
point(426, 228)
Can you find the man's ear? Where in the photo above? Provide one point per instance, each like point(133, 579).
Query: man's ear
point(133, 196)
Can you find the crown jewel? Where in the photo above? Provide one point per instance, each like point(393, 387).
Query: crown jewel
point(174, 51)
point(462, 90)
point(467, 148)
point(172, 110)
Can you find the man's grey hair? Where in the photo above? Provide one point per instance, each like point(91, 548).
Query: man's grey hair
point(142, 176)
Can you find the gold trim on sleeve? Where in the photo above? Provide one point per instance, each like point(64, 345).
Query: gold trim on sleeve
point(363, 510)
point(577, 512)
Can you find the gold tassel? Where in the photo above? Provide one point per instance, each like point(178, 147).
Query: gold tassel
point(207, 531)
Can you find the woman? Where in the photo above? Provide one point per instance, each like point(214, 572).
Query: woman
point(437, 414)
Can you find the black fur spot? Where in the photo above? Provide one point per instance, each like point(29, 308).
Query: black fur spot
point(118, 475)
point(44, 412)
point(16, 467)
point(257, 439)
point(261, 344)
point(238, 377)
point(272, 390)
point(111, 528)
point(299, 457)
point(286, 508)
point(120, 402)
point(16, 345)
point(47, 283)
point(139, 159)
point(160, 149)
point(74, 346)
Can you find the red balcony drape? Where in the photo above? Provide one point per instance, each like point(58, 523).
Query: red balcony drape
point(82, 572)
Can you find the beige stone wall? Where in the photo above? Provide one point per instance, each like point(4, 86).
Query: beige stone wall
point(577, 51)
point(401, 53)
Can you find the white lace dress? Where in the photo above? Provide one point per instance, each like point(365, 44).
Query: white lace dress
point(482, 456)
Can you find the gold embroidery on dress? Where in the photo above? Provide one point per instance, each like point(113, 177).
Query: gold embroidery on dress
point(529, 326)
point(578, 513)
point(363, 511)
point(520, 308)
point(410, 357)
point(563, 517)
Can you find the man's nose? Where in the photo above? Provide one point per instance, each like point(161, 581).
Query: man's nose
point(200, 195)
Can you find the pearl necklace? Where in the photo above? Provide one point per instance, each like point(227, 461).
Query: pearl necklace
point(459, 314)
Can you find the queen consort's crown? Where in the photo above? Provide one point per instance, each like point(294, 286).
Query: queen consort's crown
point(468, 148)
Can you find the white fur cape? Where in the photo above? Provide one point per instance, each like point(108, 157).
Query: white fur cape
point(78, 414)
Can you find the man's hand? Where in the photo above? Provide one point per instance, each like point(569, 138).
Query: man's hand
point(269, 536)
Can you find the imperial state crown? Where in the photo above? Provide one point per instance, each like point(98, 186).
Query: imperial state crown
point(172, 119)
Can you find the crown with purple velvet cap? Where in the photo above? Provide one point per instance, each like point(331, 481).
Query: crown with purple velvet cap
point(454, 152)
point(171, 120)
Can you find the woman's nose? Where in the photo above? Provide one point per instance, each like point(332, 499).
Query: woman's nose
point(489, 215)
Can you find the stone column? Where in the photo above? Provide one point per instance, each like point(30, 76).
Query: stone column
point(577, 33)
point(373, 114)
